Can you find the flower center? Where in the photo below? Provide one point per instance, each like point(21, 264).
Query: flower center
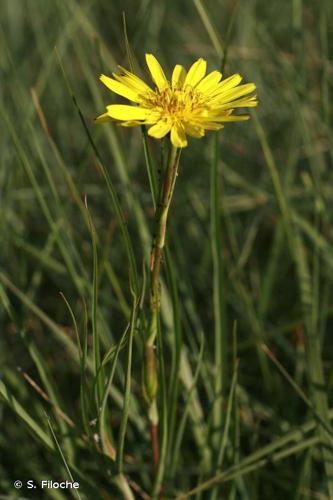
point(175, 104)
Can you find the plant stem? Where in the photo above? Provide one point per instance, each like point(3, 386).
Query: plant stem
point(219, 300)
point(150, 365)
point(155, 444)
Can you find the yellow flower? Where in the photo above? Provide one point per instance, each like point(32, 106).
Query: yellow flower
point(190, 104)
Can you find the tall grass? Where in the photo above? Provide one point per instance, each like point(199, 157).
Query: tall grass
point(244, 351)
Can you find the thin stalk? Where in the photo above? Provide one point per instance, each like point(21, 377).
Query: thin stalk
point(121, 480)
point(61, 455)
point(127, 391)
point(219, 301)
point(154, 181)
point(99, 374)
point(210, 28)
point(176, 346)
point(150, 366)
point(226, 430)
point(160, 470)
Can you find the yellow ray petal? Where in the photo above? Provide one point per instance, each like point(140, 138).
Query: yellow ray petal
point(120, 88)
point(194, 130)
point(231, 118)
point(235, 93)
point(178, 137)
point(104, 118)
point(156, 72)
point(212, 126)
point(127, 113)
point(209, 82)
point(133, 123)
point(249, 102)
point(196, 73)
point(178, 76)
point(160, 129)
point(228, 83)
point(132, 81)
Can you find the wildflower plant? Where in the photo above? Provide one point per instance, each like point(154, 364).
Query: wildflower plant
point(190, 104)
point(225, 351)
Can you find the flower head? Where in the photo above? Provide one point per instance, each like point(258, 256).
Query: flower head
point(191, 103)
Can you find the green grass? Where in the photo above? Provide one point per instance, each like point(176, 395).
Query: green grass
point(245, 351)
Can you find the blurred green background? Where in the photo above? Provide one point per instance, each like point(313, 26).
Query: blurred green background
point(275, 246)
